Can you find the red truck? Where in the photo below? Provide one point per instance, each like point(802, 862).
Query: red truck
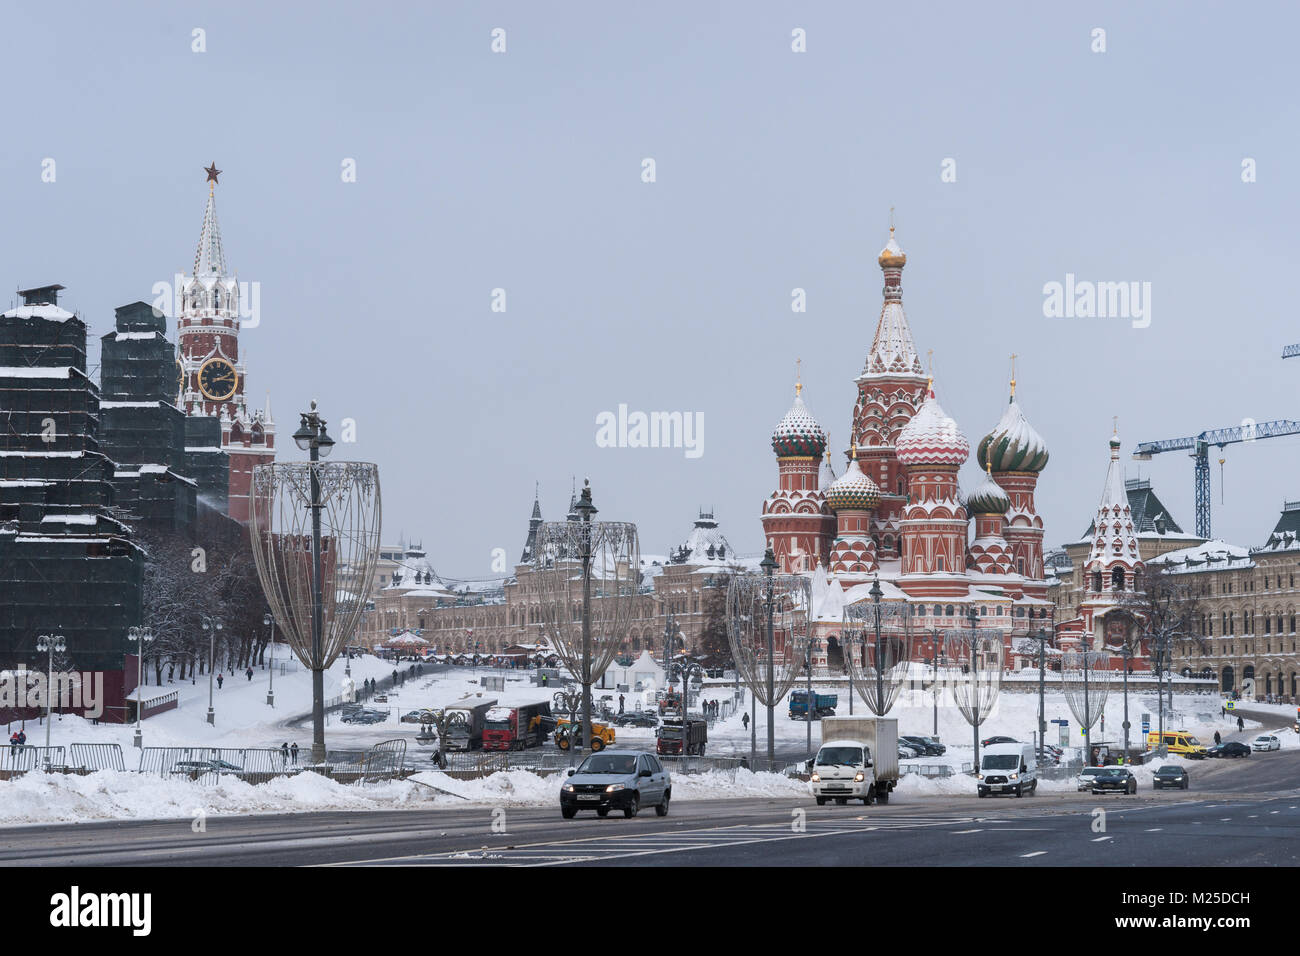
point(514, 728)
point(670, 737)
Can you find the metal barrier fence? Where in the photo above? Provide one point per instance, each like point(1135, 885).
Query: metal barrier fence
point(92, 757)
point(208, 765)
point(480, 763)
point(24, 758)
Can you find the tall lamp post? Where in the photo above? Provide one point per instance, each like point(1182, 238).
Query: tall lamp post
point(973, 617)
point(311, 437)
point(1126, 651)
point(769, 565)
point(50, 643)
point(1042, 638)
point(269, 621)
point(670, 640)
point(141, 636)
point(212, 626)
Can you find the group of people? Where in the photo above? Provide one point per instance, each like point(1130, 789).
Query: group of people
point(711, 708)
point(289, 752)
point(17, 739)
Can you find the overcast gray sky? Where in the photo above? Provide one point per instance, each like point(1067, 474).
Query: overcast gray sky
point(774, 170)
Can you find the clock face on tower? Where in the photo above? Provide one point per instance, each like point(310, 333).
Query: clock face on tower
point(218, 379)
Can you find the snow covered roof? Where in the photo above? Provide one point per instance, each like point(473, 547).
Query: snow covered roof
point(38, 312)
point(1213, 555)
point(705, 544)
point(1286, 534)
point(1114, 532)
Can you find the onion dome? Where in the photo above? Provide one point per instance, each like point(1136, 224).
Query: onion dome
point(1013, 445)
point(931, 437)
point(798, 435)
point(853, 490)
point(988, 498)
point(892, 257)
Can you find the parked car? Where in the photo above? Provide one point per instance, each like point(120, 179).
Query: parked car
point(1228, 749)
point(924, 746)
point(637, 718)
point(1084, 780)
point(423, 716)
point(617, 780)
point(365, 717)
point(1114, 780)
point(907, 753)
point(998, 740)
point(1169, 775)
point(1267, 742)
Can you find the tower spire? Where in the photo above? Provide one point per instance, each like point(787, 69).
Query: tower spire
point(210, 257)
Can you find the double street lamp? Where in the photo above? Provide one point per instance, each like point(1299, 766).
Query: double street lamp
point(50, 643)
point(141, 636)
point(212, 626)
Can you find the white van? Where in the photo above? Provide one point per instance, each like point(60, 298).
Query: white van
point(842, 771)
point(1007, 768)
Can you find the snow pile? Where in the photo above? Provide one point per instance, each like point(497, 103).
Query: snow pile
point(113, 795)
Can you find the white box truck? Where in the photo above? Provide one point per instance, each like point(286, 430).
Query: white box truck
point(1007, 768)
point(858, 760)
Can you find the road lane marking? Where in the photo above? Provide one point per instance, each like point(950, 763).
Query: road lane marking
point(967, 831)
point(1100, 839)
point(1155, 829)
point(1025, 856)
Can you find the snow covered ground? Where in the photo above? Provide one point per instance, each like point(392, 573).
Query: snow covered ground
point(111, 795)
point(243, 719)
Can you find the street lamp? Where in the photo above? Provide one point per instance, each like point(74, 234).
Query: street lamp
point(269, 621)
point(769, 565)
point(212, 626)
point(49, 643)
point(312, 437)
point(974, 620)
point(1126, 651)
point(141, 636)
point(1042, 638)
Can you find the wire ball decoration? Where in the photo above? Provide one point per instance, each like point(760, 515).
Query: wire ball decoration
point(1086, 680)
point(973, 659)
point(281, 531)
point(878, 672)
point(613, 578)
point(747, 607)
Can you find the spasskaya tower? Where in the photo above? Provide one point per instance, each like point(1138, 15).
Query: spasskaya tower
point(210, 372)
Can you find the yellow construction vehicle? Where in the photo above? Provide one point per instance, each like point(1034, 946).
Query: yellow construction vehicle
point(602, 735)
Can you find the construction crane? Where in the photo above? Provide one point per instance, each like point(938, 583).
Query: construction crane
point(1291, 351)
point(1200, 448)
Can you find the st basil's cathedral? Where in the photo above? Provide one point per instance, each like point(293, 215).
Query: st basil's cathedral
point(897, 512)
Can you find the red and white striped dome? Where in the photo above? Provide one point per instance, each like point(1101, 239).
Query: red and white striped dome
point(932, 438)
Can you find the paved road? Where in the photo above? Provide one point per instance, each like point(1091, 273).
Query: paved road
point(1242, 812)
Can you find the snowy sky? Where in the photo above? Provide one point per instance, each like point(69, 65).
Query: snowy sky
point(775, 170)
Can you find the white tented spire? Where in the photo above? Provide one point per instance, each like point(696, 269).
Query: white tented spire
point(892, 350)
point(210, 257)
point(1114, 538)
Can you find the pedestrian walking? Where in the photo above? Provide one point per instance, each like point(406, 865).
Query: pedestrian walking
point(171, 671)
point(620, 703)
point(293, 752)
point(220, 678)
point(284, 751)
point(249, 672)
point(22, 738)
point(1223, 712)
point(1240, 725)
point(745, 720)
point(13, 742)
point(1217, 738)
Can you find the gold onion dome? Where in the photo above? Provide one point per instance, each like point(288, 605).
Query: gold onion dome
point(892, 256)
point(853, 490)
point(798, 435)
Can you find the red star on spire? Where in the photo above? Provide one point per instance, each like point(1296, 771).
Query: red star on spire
point(212, 172)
